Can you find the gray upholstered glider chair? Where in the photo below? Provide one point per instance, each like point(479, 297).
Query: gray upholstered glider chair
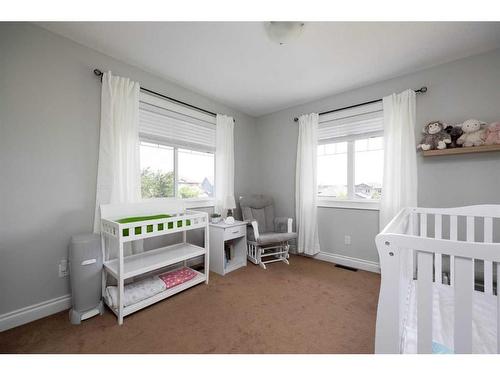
point(267, 235)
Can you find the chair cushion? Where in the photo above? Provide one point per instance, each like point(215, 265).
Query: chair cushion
point(273, 237)
point(260, 208)
point(256, 201)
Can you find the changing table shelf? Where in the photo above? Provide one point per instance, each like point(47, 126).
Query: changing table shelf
point(198, 279)
point(154, 259)
point(130, 309)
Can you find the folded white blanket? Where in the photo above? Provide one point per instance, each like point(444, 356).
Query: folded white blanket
point(136, 291)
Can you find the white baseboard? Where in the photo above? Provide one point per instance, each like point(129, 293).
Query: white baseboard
point(30, 313)
point(343, 260)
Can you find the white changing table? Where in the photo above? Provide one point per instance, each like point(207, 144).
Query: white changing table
point(114, 235)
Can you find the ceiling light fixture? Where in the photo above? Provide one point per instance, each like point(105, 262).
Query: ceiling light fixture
point(284, 32)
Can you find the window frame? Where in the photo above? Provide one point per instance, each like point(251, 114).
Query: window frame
point(350, 202)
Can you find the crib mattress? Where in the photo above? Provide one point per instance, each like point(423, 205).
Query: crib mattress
point(484, 325)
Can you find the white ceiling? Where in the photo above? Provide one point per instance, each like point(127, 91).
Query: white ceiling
point(236, 64)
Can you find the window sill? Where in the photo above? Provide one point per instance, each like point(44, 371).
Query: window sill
point(190, 202)
point(198, 203)
point(371, 205)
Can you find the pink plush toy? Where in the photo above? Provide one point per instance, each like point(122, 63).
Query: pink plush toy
point(492, 134)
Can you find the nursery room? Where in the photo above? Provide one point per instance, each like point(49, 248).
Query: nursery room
point(260, 187)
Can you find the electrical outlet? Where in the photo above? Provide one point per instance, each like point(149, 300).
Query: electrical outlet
point(347, 240)
point(63, 268)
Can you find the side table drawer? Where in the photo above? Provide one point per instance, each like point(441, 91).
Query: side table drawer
point(234, 232)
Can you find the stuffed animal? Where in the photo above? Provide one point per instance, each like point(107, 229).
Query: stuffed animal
point(455, 132)
point(473, 133)
point(492, 134)
point(434, 137)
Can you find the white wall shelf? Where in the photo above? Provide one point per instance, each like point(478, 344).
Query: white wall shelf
point(461, 150)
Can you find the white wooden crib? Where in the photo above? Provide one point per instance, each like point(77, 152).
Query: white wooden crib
point(440, 268)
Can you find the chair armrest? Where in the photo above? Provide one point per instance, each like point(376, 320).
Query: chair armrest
point(283, 224)
point(255, 227)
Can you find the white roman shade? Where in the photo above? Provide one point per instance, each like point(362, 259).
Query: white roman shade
point(365, 119)
point(175, 124)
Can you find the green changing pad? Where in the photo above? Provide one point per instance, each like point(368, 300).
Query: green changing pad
point(133, 219)
point(149, 228)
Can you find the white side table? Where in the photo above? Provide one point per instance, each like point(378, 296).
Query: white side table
point(228, 247)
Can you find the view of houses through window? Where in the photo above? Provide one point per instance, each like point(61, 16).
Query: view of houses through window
point(351, 169)
point(196, 174)
point(368, 168)
point(159, 163)
point(332, 170)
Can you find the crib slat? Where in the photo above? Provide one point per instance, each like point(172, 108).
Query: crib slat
point(488, 265)
point(470, 238)
point(413, 254)
point(424, 303)
point(453, 237)
point(438, 258)
point(464, 277)
point(414, 224)
point(423, 225)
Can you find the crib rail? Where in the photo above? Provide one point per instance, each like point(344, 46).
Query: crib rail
point(413, 246)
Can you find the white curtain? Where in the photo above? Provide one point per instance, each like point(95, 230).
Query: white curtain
point(118, 176)
point(400, 157)
point(306, 189)
point(224, 163)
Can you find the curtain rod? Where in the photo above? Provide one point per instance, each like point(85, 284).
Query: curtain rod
point(421, 90)
point(98, 73)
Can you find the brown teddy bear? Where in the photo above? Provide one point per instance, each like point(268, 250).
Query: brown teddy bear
point(434, 137)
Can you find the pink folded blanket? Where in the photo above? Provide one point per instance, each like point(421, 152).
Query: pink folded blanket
point(177, 277)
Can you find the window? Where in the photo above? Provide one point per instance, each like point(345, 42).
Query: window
point(351, 156)
point(332, 170)
point(177, 150)
point(196, 174)
point(157, 170)
point(368, 167)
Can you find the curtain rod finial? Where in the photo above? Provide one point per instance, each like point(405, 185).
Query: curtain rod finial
point(423, 89)
point(98, 73)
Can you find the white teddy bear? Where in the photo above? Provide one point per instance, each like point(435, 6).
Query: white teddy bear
point(473, 133)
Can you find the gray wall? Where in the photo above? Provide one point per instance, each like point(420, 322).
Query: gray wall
point(463, 89)
point(49, 121)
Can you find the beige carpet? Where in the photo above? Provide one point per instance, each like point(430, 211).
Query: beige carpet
point(307, 307)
